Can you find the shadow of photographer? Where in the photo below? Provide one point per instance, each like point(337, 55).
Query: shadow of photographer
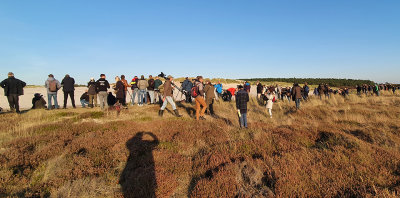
point(138, 179)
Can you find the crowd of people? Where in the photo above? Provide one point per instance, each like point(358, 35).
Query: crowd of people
point(154, 91)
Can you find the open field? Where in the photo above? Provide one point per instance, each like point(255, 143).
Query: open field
point(332, 148)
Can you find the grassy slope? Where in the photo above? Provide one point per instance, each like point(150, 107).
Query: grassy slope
point(337, 147)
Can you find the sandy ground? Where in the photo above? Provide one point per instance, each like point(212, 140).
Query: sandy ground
point(25, 101)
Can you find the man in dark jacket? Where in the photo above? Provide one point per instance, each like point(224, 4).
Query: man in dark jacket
point(306, 90)
point(242, 98)
point(260, 88)
point(187, 86)
point(296, 94)
point(102, 86)
point(150, 89)
point(85, 99)
point(68, 84)
point(38, 102)
point(13, 88)
point(157, 94)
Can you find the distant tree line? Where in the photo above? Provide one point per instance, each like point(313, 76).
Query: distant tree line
point(316, 81)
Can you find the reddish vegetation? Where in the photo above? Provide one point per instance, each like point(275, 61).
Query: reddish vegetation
point(330, 148)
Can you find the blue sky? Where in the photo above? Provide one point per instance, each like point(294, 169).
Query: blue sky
point(227, 39)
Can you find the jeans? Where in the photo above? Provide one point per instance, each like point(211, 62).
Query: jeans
point(71, 95)
point(142, 95)
point(54, 96)
point(188, 97)
point(297, 101)
point(134, 92)
point(151, 94)
point(243, 120)
point(84, 103)
point(167, 100)
point(103, 99)
point(13, 101)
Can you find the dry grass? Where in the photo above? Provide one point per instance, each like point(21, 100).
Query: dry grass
point(334, 148)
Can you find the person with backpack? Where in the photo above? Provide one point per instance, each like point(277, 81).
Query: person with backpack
point(167, 97)
point(242, 98)
point(119, 90)
point(38, 101)
point(198, 94)
point(270, 95)
point(84, 99)
point(327, 91)
point(187, 86)
point(150, 88)
point(52, 86)
point(296, 94)
point(210, 95)
point(13, 88)
point(135, 89)
point(142, 86)
point(102, 87)
point(92, 93)
point(68, 85)
point(157, 94)
point(306, 91)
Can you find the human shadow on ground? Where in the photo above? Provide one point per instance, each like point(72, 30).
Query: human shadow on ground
point(138, 179)
point(189, 110)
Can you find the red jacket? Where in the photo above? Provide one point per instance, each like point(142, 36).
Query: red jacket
point(232, 90)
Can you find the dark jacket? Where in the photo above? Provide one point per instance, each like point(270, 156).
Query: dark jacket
point(102, 85)
point(296, 92)
point(151, 85)
point(11, 85)
point(242, 97)
point(68, 84)
point(85, 97)
point(111, 100)
point(259, 88)
point(210, 95)
point(120, 88)
point(38, 102)
point(157, 84)
point(92, 88)
point(134, 83)
point(187, 85)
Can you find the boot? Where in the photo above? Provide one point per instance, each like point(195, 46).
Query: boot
point(160, 113)
point(177, 113)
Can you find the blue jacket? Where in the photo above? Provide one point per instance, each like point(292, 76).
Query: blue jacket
point(218, 87)
point(187, 85)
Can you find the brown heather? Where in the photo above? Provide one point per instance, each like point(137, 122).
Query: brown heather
point(330, 148)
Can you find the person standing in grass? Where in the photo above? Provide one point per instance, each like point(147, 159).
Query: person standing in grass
point(142, 85)
point(242, 98)
point(157, 94)
point(13, 88)
point(126, 85)
point(135, 89)
point(296, 94)
point(68, 85)
point(102, 86)
point(260, 89)
point(150, 89)
point(200, 103)
point(209, 91)
point(270, 94)
point(218, 88)
point(167, 97)
point(119, 89)
point(52, 85)
point(92, 93)
point(306, 91)
point(187, 86)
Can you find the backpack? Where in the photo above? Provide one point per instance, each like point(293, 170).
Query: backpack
point(306, 89)
point(194, 91)
point(274, 99)
point(53, 86)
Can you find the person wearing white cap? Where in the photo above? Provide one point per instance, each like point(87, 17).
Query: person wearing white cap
point(92, 92)
point(13, 88)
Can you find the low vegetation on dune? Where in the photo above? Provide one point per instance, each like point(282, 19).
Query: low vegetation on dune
point(341, 147)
